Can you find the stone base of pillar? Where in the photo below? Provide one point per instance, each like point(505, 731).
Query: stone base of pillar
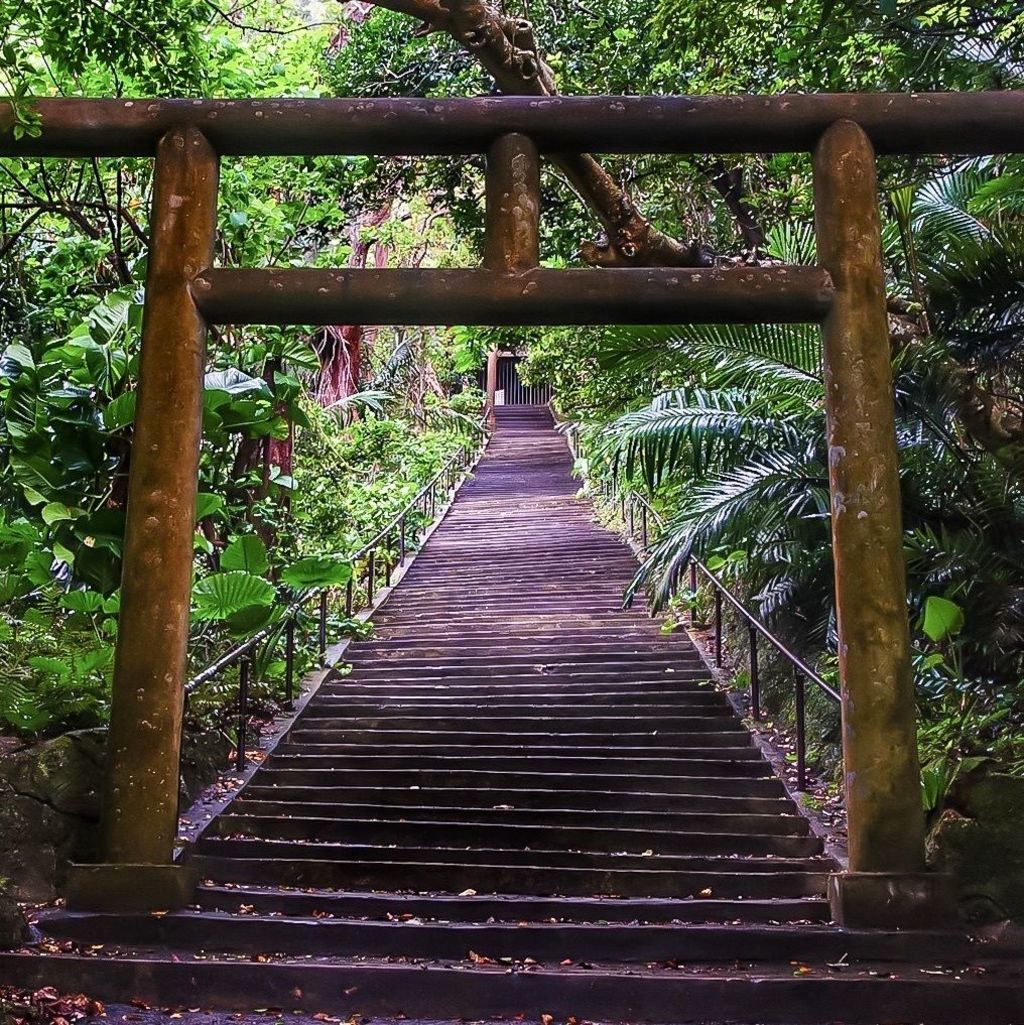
point(891, 900)
point(128, 887)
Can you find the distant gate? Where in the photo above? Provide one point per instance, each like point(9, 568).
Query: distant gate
point(510, 389)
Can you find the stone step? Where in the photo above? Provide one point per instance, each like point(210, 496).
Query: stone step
point(676, 822)
point(470, 907)
point(603, 992)
point(621, 943)
point(555, 836)
point(531, 797)
point(501, 872)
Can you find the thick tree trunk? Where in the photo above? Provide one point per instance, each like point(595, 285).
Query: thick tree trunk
point(341, 346)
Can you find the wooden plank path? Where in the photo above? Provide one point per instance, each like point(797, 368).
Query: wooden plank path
point(522, 800)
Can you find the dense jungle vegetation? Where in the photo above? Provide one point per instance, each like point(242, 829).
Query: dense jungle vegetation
point(313, 439)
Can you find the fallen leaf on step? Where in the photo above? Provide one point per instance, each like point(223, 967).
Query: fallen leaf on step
point(468, 893)
point(480, 958)
point(706, 892)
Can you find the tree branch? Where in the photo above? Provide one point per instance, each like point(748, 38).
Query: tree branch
point(729, 183)
point(506, 48)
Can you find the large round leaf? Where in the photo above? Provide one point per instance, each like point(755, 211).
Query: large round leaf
point(322, 571)
point(223, 594)
point(250, 619)
point(248, 553)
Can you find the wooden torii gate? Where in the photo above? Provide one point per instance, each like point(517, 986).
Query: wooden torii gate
point(886, 882)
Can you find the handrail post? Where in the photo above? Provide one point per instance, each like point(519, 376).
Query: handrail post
point(401, 539)
point(755, 677)
point(718, 627)
point(370, 574)
point(243, 711)
point(799, 697)
point(289, 661)
point(886, 883)
point(350, 595)
point(693, 592)
point(643, 524)
point(141, 785)
point(322, 629)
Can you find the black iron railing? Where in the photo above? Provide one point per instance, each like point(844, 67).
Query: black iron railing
point(373, 564)
point(642, 523)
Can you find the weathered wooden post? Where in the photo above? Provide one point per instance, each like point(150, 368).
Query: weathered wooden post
point(140, 809)
point(886, 883)
point(491, 386)
point(512, 240)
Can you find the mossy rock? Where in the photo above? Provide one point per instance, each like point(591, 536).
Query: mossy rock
point(64, 773)
point(50, 797)
point(980, 842)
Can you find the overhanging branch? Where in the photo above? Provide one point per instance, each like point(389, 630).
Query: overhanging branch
point(507, 49)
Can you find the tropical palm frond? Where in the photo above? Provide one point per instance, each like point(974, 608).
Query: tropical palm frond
point(718, 355)
point(361, 401)
point(941, 204)
point(976, 290)
point(396, 367)
point(693, 430)
point(793, 242)
point(749, 501)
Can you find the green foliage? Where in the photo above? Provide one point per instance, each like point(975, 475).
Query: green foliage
point(941, 618)
point(317, 572)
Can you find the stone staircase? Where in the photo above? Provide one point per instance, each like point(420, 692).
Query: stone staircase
point(523, 800)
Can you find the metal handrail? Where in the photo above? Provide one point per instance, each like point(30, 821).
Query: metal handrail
point(628, 503)
point(448, 477)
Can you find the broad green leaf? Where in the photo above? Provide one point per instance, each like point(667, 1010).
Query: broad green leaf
point(120, 412)
point(62, 554)
point(235, 383)
point(248, 553)
point(942, 618)
point(37, 568)
point(15, 359)
point(109, 316)
point(54, 512)
point(91, 661)
point(250, 619)
point(224, 594)
point(207, 505)
point(283, 480)
point(321, 571)
point(82, 601)
point(298, 353)
point(35, 474)
point(286, 385)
